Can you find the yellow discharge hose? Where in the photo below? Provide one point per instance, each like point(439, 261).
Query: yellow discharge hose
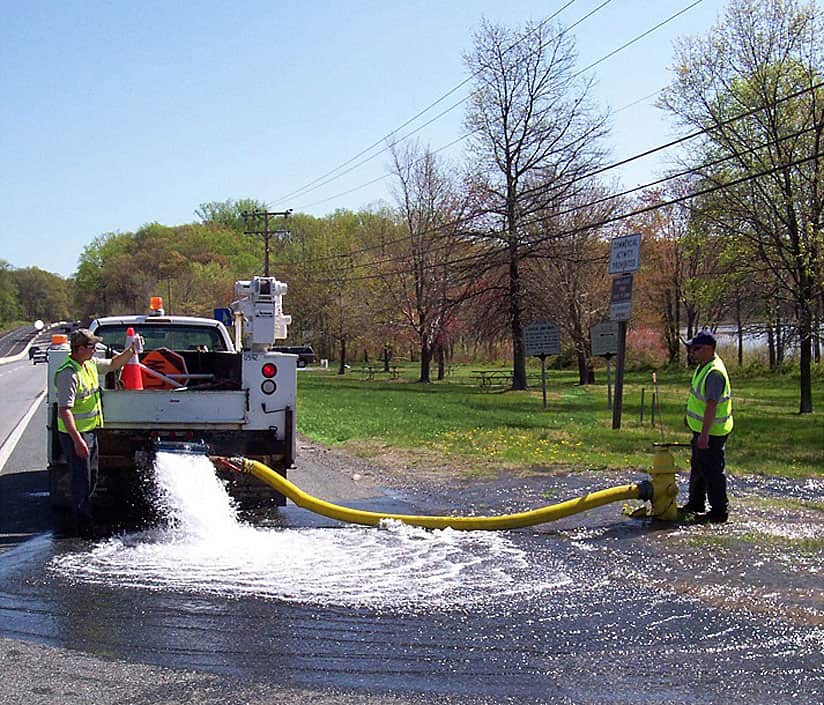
point(506, 521)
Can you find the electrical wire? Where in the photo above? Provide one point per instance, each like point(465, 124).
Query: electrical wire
point(452, 107)
point(429, 107)
point(532, 245)
point(740, 116)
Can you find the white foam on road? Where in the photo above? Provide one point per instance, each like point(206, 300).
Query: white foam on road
point(205, 549)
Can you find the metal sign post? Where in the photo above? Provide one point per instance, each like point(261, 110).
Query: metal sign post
point(540, 340)
point(618, 403)
point(624, 258)
point(609, 384)
point(543, 377)
point(603, 338)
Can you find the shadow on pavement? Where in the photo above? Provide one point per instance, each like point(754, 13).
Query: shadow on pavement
point(24, 506)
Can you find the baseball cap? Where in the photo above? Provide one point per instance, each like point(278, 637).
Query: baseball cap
point(702, 338)
point(83, 336)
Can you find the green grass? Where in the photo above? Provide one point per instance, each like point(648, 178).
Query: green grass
point(456, 423)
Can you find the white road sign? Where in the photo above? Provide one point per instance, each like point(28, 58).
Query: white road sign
point(625, 254)
point(542, 339)
point(604, 338)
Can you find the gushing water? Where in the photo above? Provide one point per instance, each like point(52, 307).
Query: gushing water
point(205, 549)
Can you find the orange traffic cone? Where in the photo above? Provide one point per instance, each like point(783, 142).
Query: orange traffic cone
point(131, 376)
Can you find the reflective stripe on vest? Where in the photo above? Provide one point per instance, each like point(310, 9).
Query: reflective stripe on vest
point(697, 401)
point(87, 410)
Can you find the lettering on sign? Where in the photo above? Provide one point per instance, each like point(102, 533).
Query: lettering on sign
point(620, 306)
point(625, 254)
point(604, 339)
point(542, 339)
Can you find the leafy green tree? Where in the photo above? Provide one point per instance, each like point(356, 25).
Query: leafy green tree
point(228, 213)
point(9, 303)
point(765, 62)
point(43, 295)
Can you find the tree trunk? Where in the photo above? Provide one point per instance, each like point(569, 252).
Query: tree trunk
point(739, 330)
point(586, 372)
point(387, 356)
point(342, 366)
point(518, 353)
point(426, 358)
point(441, 357)
point(805, 335)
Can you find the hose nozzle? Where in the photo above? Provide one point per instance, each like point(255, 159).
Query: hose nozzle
point(234, 464)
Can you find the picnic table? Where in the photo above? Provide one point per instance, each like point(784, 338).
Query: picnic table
point(368, 372)
point(489, 378)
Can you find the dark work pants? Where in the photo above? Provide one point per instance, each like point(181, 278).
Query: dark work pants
point(83, 473)
point(707, 479)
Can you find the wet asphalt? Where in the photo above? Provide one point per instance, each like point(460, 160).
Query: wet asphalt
point(647, 613)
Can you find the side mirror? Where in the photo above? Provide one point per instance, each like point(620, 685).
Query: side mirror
point(39, 325)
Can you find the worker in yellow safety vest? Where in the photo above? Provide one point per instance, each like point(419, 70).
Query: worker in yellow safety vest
point(709, 417)
point(79, 413)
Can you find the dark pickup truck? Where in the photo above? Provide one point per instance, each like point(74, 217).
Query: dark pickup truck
point(306, 355)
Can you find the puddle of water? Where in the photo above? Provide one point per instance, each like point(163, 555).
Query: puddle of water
point(205, 549)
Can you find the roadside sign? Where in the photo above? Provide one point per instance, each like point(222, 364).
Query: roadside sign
point(625, 254)
point(604, 339)
point(620, 305)
point(542, 339)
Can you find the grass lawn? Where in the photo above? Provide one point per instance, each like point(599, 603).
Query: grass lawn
point(458, 424)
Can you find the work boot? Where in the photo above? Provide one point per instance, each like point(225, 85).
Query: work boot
point(690, 508)
point(712, 517)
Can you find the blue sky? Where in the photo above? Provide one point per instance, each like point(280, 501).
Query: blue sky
point(116, 114)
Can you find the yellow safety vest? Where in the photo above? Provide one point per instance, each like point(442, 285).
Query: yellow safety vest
point(87, 409)
point(697, 401)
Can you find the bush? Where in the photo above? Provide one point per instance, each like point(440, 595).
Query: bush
point(645, 351)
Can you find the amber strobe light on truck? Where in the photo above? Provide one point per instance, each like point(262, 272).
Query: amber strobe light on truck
point(269, 386)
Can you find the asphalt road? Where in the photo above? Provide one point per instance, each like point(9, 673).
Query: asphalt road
point(16, 340)
point(592, 609)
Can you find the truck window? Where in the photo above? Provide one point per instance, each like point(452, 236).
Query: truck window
point(159, 335)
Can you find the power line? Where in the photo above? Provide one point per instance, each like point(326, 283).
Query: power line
point(583, 228)
point(623, 162)
point(455, 105)
point(429, 107)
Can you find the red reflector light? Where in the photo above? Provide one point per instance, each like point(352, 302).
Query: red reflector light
point(269, 370)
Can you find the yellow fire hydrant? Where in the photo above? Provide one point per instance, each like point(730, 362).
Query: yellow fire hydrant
point(664, 487)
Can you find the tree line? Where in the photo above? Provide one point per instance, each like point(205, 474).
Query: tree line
point(467, 255)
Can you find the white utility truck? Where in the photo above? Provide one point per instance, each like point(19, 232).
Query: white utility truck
point(202, 388)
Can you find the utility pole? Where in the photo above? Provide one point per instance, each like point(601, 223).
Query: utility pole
point(253, 219)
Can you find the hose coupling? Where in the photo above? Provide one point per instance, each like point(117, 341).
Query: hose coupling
point(645, 491)
point(234, 464)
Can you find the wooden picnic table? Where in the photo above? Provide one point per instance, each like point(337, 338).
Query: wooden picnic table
point(368, 371)
point(488, 378)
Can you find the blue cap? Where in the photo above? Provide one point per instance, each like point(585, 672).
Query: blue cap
point(702, 338)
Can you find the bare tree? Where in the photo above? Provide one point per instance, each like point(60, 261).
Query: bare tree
point(566, 276)
point(423, 281)
point(535, 134)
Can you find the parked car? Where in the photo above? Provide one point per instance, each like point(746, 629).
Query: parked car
point(37, 354)
point(306, 355)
